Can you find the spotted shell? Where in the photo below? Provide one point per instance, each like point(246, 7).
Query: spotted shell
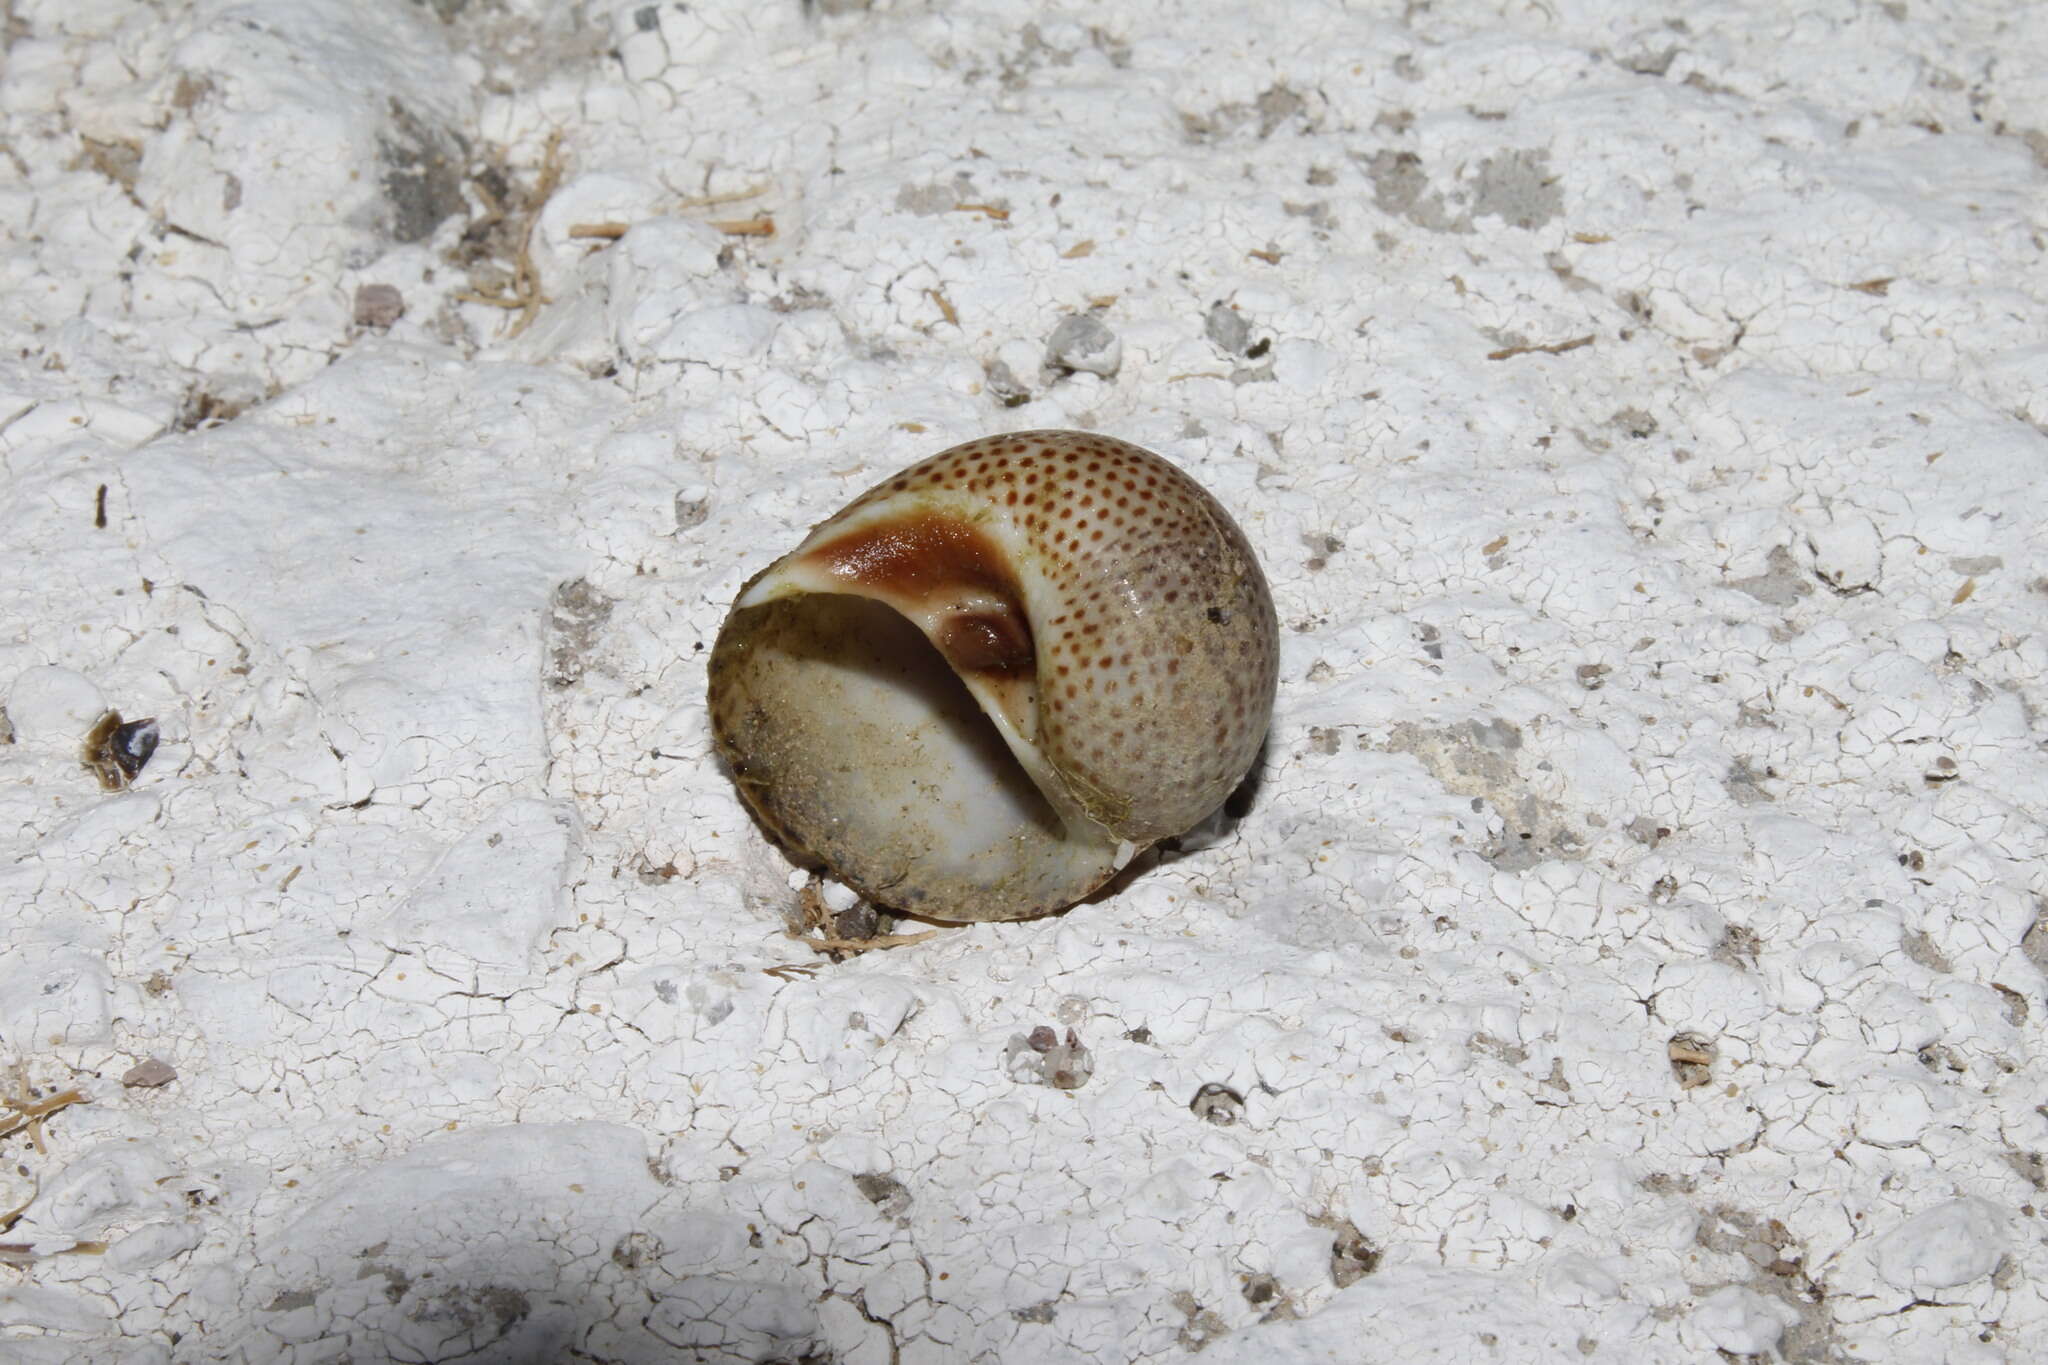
point(977, 690)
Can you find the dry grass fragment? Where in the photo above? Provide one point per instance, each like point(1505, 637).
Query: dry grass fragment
point(760, 225)
point(29, 1113)
point(838, 936)
point(1554, 348)
point(520, 294)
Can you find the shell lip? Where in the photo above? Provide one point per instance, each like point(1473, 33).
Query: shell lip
point(1114, 884)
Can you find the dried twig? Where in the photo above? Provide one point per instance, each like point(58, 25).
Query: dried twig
point(21, 1253)
point(30, 1112)
point(828, 944)
point(1554, 348)
point(819, 929)
point(760, 225)
point(13, 1215)
point(523, 295)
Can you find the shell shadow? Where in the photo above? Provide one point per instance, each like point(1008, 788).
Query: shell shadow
point(1220, 824)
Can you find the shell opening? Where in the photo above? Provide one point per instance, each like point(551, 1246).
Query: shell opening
point(854, 737)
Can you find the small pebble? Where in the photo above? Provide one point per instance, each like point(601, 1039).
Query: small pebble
point(1041, 1058)
point(1352, 1257)
point(116, 751)
point(1082, 342)
point(1217, 1104)
point(1004, 386)
point(133, 743)
point(1227, 328)
point(149, 1074)
point(693, 505)
point(378, 306)
point(885, 1192)
point(1692, 1059)
point(857, 923)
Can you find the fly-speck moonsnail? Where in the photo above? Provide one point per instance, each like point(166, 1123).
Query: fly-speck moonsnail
point(977, 691)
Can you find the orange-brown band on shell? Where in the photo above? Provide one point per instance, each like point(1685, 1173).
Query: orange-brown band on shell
point(918, 560)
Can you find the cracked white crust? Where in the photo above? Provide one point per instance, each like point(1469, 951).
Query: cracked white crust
point(1732, 611)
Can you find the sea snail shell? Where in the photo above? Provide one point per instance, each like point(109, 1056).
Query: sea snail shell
point(979, 689)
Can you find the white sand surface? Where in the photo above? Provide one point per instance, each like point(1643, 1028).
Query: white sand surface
point(1633, 951)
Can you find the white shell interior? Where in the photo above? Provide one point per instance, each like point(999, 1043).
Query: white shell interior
point(953, 773)
point(875, 757)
